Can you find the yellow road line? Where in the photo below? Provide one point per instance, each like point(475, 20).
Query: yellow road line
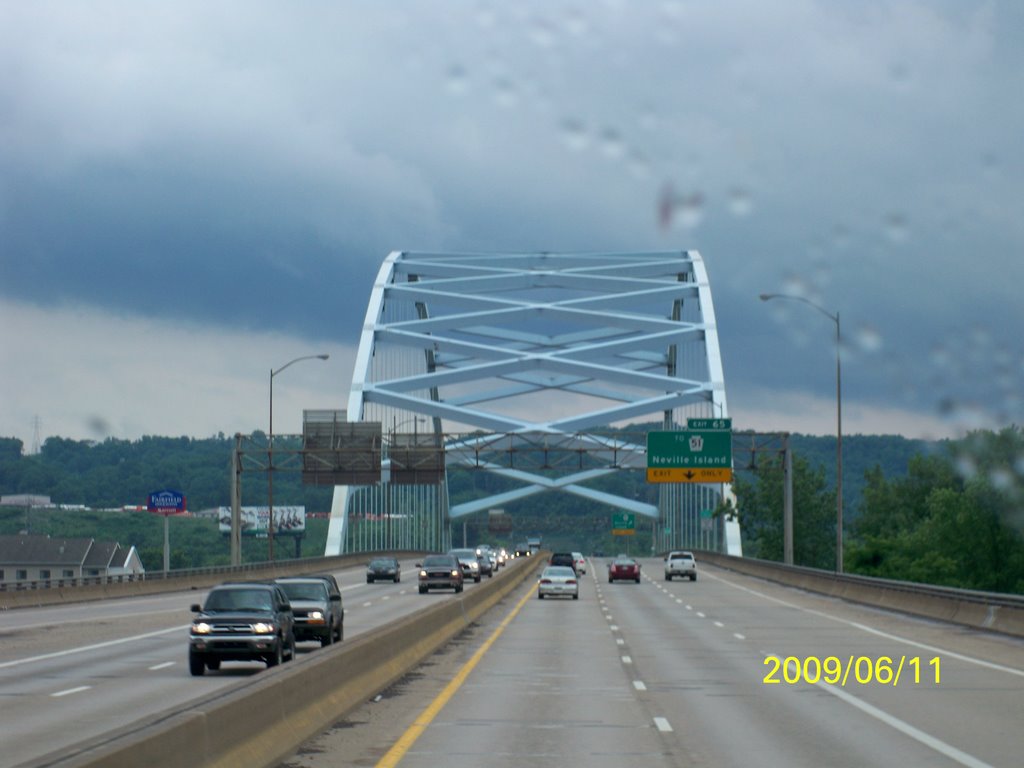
point(414, 731)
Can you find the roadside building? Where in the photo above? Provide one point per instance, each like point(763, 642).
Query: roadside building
point(25, 500)
point(27, 560)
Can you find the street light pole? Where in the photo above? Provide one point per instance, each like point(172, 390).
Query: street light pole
point(270, 452)
point(839, 418)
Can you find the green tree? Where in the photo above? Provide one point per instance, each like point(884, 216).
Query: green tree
point(760, 507)
point(933, 526)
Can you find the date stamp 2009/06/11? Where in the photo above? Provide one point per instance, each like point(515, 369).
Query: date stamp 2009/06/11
point(859, 670)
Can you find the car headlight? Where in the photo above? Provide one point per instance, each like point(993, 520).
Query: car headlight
point(423, 574)
point(263, 628)
point(456, 573)
point(316, 615)
point(201, 628)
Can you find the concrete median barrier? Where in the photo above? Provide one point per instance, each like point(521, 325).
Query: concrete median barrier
point(262, 721)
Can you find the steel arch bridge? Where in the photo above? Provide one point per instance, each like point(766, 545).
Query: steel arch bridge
point(526, 365)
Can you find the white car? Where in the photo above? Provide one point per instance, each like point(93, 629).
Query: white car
point(558, 580)
point(680, 564)
point(581, 562)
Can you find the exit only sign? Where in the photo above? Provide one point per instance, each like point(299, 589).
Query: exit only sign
point(702, 453)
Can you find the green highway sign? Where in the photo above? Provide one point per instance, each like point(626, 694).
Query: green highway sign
point(623, 524)
point(706, 424)
point(692, 455)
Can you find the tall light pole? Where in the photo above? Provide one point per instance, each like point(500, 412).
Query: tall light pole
point(839, 418)
point(270, 452)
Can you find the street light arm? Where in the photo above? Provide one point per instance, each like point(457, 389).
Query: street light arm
point(769, 296)
point(297, 359)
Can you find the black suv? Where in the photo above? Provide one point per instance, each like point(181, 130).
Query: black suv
point(242, 621)
point(318, 612)
point(383, 568)
point(563, 558)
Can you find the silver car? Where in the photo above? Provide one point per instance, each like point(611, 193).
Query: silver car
point(470, 563)
point(558, 581)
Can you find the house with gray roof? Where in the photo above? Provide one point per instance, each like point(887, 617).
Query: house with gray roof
point(28, 559)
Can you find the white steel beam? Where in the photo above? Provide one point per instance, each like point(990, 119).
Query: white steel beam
point(558, 344)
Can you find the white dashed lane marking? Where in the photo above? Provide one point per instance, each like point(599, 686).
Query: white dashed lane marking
point(69, 691)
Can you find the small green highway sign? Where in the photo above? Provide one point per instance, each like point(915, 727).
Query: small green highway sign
point(712, 424)
point(623, 524)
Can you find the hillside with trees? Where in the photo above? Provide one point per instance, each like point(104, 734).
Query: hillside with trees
point(944, 513)
point(955, 517)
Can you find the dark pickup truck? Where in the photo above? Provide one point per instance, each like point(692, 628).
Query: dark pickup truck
point(244, 621)
point(564, 558)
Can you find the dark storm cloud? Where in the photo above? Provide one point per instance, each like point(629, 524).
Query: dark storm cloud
point(239, 168)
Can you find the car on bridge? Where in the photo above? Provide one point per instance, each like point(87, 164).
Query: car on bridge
point(440, 572)
point(680, 564)
point(471, 566)
point(568, 559)
point(383, 569)
point(581, 563)
point(242, 621)
point(623, 569)
point(489, 552)
point(319, 615)
point(558, 581)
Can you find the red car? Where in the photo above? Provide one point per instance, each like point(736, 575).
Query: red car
point(624, 568)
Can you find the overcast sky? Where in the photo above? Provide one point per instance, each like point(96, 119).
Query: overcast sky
point(194, 193)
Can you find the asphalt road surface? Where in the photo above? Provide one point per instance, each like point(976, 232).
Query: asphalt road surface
point(683, 674)
point(73, 672)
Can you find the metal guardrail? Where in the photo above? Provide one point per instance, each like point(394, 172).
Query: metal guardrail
point(101, 588)
point(126, 578)
point(994, 611)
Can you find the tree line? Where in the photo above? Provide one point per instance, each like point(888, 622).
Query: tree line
point(954, 518)
point(947, 512)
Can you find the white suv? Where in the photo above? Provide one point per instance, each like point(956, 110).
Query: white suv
point(680, 564)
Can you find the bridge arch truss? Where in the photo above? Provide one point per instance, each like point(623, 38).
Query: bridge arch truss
point(501, 357)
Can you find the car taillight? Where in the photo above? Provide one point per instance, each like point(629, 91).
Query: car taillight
point(570, 581)
point(545, 581)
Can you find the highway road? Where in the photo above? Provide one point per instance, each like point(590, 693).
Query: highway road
point(72, 672)
point(682, 674)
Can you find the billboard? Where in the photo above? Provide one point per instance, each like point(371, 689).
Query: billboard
point(166, 502)
point(288, 521)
